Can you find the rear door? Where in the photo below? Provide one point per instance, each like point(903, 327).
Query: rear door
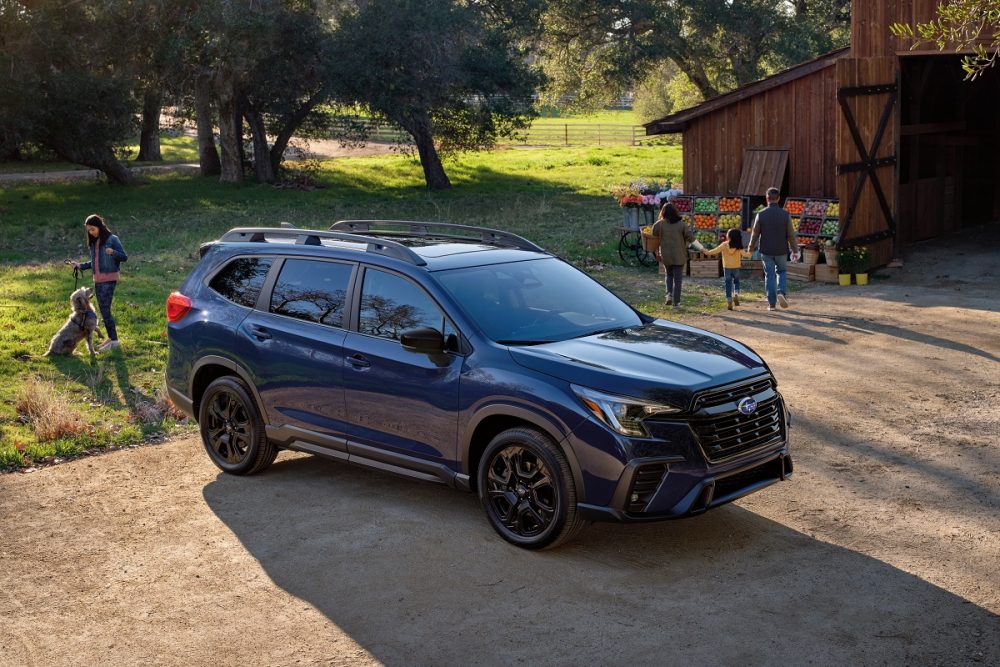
point(397, 400)
point(294, 344)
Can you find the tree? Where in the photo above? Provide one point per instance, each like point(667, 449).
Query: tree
point(961, 25)
point(597, 49)
point(451, 78)
point(65, 82)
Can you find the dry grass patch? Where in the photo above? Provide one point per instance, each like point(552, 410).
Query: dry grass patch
point(51, 416)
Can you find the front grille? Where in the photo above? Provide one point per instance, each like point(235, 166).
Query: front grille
point(644, 484)
point(732, 393)
point(733, 432)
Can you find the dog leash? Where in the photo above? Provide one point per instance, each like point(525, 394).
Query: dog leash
point(76, 273)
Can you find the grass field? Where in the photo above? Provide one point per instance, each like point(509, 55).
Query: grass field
point(556, 197)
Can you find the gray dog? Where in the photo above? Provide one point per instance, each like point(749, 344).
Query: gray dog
point(82, 323)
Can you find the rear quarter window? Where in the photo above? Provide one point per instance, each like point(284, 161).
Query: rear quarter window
point(241, 280)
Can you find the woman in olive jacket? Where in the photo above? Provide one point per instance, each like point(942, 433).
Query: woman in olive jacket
point(675, 237)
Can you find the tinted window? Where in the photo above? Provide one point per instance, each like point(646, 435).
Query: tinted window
point(391, 305)
point(536, 301)
point(241, 280)
point(314, 291)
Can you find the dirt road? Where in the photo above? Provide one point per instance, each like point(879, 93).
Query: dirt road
point(883, 549)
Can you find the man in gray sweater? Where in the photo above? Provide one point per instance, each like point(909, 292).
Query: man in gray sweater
point(774, 234)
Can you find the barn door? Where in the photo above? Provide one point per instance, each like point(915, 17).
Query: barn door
point(866, 153)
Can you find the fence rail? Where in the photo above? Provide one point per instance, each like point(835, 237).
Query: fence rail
point(542, 134)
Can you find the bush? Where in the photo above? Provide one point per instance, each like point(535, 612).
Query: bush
point(49, 413)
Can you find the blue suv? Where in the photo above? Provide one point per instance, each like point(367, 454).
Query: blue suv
point(470, 357)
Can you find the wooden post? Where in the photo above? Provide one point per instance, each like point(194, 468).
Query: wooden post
point(566, 132)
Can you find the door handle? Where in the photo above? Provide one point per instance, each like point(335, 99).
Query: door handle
point(260, 333)
point(358, 361)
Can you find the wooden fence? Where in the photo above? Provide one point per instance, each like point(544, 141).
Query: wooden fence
point(539, 134)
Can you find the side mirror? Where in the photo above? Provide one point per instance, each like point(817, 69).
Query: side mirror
point(422, 339)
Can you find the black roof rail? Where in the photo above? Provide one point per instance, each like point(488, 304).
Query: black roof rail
point(374, 245)
point(418, 228)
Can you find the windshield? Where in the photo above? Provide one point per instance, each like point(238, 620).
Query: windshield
point(536, 301)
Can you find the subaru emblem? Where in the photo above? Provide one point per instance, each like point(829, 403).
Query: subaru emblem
point(747, 406)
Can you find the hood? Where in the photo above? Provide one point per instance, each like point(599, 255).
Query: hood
point(662, 361)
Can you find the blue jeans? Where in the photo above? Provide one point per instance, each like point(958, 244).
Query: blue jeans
point(105, 293)
point(775, 276)
point(732, 280)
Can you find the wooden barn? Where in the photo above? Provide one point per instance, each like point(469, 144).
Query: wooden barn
point(910, 149)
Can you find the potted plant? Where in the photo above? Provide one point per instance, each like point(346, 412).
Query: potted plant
point(861, 265)
point(853, 260)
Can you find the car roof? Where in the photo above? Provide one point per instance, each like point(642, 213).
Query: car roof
point(435, 246)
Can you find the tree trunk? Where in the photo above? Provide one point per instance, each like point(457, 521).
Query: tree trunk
point(101, 158)
point(419, 128)
point(292, 124)
point(261, 154)
point(696, 74)
point(230, 127)
point(208, 156)
point(149, 137)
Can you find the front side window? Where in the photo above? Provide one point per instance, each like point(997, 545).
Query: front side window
point(391, 305)
point(241, 280)
point(311, 290)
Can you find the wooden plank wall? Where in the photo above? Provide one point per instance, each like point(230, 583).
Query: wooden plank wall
point(870, 21)
point(800, 115)
point(868, 217)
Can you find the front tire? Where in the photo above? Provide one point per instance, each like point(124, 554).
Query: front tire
point(527, 489)
point(232, 429)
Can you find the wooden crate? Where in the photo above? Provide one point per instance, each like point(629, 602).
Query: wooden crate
point(705, 268)
point(826, 273)
point(751, 270)
point(802, 272)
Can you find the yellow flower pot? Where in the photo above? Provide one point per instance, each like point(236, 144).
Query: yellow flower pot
point(845, 278)
point(861, 278)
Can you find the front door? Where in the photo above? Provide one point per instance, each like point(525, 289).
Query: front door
point(398, 400)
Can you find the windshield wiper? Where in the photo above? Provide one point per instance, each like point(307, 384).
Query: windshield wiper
point(601, 331)
point(523, 342)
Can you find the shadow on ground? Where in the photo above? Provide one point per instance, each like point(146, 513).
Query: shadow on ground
point(413, 573)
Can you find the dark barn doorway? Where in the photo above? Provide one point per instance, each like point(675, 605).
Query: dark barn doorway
point(949, 147)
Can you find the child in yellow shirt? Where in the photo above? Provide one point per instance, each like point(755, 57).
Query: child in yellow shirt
point(732, 252)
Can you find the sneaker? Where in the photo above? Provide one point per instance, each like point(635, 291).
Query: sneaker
point(782, 301)
point(736, 299)
point(109, 345)
point(770, 307)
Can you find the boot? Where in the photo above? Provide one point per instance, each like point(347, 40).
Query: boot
point(729, 304)
point(736, 299)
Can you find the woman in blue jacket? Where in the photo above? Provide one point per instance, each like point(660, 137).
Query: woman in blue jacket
point(106, 256)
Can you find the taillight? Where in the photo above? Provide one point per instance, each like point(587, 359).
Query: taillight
point(178, 306)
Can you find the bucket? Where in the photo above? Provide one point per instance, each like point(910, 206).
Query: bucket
point(845, 278)
point(861, 278)
point(631, 218)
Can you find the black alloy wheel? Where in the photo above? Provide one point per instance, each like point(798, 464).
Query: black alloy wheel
point(232, 429)
point(527, 489)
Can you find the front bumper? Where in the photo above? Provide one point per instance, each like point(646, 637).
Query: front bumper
point(695, 495)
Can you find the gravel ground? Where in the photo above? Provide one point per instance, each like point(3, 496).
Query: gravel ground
point(883, 548)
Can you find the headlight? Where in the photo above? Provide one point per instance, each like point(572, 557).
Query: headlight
point(621, 413)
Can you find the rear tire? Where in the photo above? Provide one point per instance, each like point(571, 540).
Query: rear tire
point(232, 429)
point(527, 489)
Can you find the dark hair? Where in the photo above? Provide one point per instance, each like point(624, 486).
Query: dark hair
point(735, 239)
point(773, 193)
point(95, 220)
point(669, 211)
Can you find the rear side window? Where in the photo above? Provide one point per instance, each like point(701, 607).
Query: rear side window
point(240, 281)
point(312, 291)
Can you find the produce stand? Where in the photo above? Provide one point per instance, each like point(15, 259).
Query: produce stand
point(814, 220)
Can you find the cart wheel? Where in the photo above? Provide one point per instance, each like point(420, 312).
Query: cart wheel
point(629, 246)
point(645, 257)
